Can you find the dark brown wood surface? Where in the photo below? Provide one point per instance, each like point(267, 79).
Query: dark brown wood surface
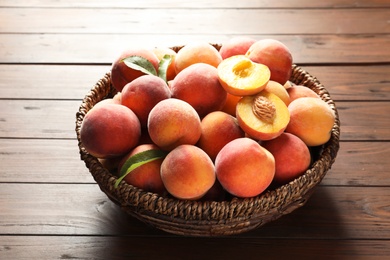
point(51, 54)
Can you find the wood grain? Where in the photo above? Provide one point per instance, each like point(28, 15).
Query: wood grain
point(198, 4)
point(196, 21)
point(77, 48)
point(178, 248)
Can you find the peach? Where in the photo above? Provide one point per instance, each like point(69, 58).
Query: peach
point(199, 86)
point(244, 168)
point(218, 129)
point(160, 53)
point(143, 93)
point(173, 122)
point(299, 91)
point(121, 74)
point(263, 116)
point(279, 90)
point(187, 172)
point(231, 104)
point(197, 52)
point(311, 119)
point(110, 130)
point(240, 76)
point(237, 45)
point(275, 55)
point(107, 101)
point(147, 176)
point(292, 157)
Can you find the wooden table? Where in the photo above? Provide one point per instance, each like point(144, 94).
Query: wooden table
point(53, 52)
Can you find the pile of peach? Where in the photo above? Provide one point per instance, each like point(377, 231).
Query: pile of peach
point(227, 122)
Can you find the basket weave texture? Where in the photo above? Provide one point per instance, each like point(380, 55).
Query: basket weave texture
point(210, 218)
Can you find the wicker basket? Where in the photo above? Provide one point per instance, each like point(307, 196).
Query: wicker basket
point(210, 218)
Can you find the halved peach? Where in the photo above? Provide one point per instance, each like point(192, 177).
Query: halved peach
point(263, 116)
point(240, 76)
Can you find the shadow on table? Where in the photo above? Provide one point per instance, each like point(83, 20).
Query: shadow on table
point(316, 229)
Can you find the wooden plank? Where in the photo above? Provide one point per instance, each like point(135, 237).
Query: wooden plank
point(361, 164)
point(308, 49)
point(58, 161)
point(42, 161)
point(48, 81)
point(113, 247)
point(197, 4)
point(82, 209)
point(354, 82)
point(74, 81)
point(364, 121)
point(196, 21)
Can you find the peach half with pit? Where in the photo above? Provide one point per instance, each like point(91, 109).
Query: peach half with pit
point(292, 157)
point(173, 122)
point(187, 172)
point(240, 76)
point(244, 168)
point(263, 116)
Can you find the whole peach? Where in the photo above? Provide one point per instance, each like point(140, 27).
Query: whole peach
point(275, 55)
point(110, 130)
point(121, 74)
point(244, 168)
point(143, 93)
point(311, 119)
point(147, 176)
point(237, 45)
point(187, 172)
point(299, 91)
point(197, 52)
point(199, 85)
point(292, 157)
point(173, 122)
point(218, 129)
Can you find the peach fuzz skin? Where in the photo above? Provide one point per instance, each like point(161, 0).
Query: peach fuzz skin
point(121, 74)
point(142, 94)
point(275, 55)
point(188, 172)
point(292, 157)
point(110, 130)
point(199, 86)
point(311, 119)
point(146, 177)
point(218, 129)
point(244, 168)
point(238, 45)
point(173, 122)
point(197, 52)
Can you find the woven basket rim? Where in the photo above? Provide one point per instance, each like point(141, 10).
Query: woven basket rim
point(209, 217)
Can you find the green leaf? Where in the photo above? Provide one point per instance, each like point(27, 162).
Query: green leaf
point(138, 160)
point(140, 63)
point(163, 66)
